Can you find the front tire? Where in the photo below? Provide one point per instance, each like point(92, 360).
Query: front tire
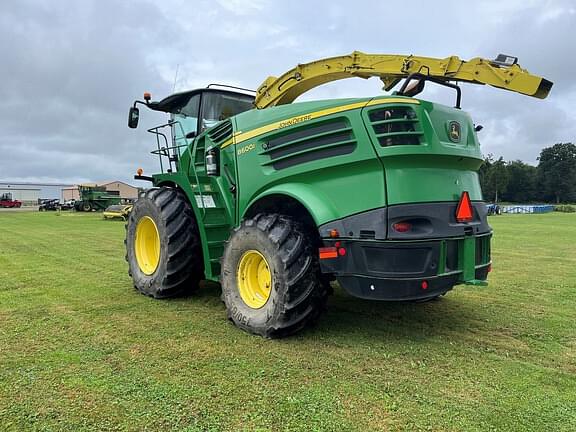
point(271, 283)
point(163, 246)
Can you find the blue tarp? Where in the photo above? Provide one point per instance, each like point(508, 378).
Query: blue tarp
point(545, 208)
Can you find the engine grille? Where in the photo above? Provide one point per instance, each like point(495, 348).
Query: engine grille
point(221, 132)
point(310, 143)
point(395, 126)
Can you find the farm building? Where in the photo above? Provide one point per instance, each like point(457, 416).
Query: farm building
point(29, 193)
point(125, 190)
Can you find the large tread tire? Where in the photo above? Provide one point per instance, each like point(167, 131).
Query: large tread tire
point(180, 268)
point(298, 296)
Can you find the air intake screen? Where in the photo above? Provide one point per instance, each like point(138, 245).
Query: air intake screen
point(310, 143)
point(221, 132)
point(395, 126)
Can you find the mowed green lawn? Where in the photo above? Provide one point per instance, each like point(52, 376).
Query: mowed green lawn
point(80, 349)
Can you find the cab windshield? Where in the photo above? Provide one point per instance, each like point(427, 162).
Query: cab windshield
point(203, 110)
point(219, 106)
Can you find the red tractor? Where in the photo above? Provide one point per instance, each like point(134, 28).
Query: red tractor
point(7, 201)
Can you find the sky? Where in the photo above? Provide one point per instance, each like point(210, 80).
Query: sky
point(71, 69)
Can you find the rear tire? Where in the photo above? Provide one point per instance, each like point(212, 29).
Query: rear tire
point(296, 298)
point(164, 255)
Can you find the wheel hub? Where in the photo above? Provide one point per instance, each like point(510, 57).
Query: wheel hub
point(254, 279)
point(147, 245)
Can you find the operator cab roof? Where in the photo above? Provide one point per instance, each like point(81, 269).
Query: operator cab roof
point(173, 103)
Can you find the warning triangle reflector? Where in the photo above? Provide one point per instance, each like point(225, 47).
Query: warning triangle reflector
point(464, 211)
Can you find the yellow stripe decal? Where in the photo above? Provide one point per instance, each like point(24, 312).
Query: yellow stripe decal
point(227, 142)
point(243, 136)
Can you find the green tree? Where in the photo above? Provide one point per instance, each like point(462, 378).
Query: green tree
point(522, 182)
point(493, 178)
point(483, 173)
point(557, 172)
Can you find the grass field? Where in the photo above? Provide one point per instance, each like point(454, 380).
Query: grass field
point(80, 349)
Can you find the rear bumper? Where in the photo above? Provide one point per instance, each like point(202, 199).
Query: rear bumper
point(376, 261)
point(389, 289)
point(396, 271)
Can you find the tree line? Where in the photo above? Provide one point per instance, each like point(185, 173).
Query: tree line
point(553, 180)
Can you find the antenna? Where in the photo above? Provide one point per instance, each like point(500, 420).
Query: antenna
point(175, 78)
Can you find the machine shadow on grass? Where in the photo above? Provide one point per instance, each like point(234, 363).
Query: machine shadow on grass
point(401, 320)
point(377, 319)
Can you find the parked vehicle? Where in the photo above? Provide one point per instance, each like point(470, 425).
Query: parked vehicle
point(118, 211)
point(275, 199)
point(493, 209)
point(49, 205)
point(6, 201)
point(95, 198)
point(68, 204)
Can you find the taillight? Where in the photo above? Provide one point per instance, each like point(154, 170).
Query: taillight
point(332, 252)
point(328, 252)
point(402, 227)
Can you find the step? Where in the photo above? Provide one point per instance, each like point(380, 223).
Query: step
point(208, 225)
point(219, 235)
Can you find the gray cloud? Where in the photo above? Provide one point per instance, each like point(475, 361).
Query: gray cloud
point(70, 70)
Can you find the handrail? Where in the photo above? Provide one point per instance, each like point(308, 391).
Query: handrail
point(159, 134)
point(198, 182)
point(165, 150)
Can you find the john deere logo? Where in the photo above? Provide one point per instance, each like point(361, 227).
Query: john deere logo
point(454, 131)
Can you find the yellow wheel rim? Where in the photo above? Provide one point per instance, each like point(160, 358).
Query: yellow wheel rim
point(147, 245)
point(254, 279)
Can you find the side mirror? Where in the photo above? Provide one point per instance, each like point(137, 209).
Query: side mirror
point(133, 116)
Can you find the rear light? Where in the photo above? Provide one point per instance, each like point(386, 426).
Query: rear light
point(402, 227)
point(328, 252)
point(332, 252)
point(424, 285)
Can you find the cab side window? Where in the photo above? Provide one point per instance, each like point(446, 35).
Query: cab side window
point(187, 117)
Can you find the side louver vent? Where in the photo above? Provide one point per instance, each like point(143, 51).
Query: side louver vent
point(310, 143)
point(396, 126)
point(221, 132)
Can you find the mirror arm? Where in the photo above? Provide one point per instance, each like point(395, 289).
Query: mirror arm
point(139, 102)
